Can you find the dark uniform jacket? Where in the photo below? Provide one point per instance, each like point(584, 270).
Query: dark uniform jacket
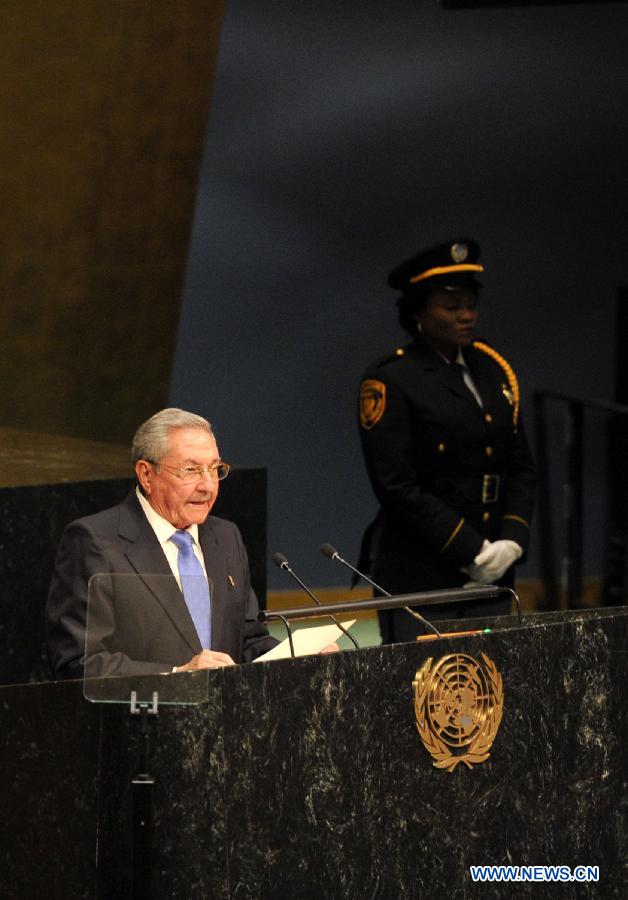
point(447, 472)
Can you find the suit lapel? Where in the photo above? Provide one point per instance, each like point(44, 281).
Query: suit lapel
point(147, 558)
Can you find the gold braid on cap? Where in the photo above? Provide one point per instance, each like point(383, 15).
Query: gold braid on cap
point(510, 375)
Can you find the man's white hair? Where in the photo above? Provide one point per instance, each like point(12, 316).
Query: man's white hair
point(150, 441)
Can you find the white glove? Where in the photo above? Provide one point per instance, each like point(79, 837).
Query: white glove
point(493, 560)
point(471, 570)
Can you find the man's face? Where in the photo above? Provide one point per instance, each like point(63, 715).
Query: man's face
point(181, 504)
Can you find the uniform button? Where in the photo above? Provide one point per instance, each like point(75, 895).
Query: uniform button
point(486, 516)
point(441, 448)
point(488, 417)
point(489, 451)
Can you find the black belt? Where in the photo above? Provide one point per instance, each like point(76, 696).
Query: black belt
point(477, 488)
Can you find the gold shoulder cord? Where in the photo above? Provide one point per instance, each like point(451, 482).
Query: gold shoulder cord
point(510, 375)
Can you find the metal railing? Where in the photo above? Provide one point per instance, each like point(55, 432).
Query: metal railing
point(572, 493)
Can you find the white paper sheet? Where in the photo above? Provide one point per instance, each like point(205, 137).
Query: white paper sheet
point(306, 641)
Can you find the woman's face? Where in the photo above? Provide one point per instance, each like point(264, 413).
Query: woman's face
point(448, 320)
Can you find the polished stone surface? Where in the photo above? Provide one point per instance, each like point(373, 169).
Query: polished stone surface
point(307, 779)
point(49, 793)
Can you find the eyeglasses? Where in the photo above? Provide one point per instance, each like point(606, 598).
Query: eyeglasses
point(189, 474)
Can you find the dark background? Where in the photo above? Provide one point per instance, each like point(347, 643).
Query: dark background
point(342, 138)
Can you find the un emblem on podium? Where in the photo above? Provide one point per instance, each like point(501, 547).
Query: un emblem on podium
point(458, 704)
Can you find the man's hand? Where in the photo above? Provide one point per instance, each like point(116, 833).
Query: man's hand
point(206, 659)
point(330, 648)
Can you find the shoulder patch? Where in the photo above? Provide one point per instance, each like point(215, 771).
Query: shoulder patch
point(372, 402)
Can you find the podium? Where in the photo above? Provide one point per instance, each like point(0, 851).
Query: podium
point(306, 778)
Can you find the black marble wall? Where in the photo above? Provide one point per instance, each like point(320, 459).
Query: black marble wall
point(33, 518)
point(307, 779)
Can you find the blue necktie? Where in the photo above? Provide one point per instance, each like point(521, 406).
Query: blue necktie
point(194, 586)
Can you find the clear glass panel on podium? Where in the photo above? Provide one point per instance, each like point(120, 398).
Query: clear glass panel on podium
point(136, 626)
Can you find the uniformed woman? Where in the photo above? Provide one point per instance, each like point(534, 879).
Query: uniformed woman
point(444, 446)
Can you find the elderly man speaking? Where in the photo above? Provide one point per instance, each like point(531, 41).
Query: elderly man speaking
point(188, 603)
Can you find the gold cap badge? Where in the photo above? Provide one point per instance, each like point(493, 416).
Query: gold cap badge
point(459, 252)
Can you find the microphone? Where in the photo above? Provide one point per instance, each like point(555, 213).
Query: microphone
point(331, 553)
point(282, 562)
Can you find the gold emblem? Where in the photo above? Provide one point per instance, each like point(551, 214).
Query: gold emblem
point(458, 704)
point(372, 402)
point(459, 252)
point(508, 394)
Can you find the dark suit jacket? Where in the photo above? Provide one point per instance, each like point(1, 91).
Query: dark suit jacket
point(139, 622)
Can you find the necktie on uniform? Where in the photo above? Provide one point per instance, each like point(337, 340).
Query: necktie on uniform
point(462, 375)
point(194, 586)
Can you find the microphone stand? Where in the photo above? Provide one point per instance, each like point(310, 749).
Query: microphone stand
point(280, 560)
point(331, 553)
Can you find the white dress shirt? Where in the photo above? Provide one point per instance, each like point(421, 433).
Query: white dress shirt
point(164, 531)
